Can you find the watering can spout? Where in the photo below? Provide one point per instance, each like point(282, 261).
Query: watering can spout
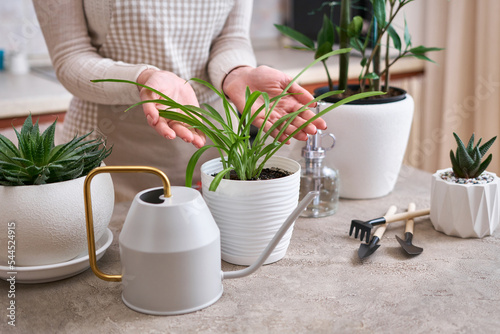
point(276, 239)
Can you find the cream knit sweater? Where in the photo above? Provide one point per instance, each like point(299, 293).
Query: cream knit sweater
point(92, 39)
point(204, 39)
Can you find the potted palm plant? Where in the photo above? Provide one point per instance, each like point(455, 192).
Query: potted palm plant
point(372, 134)
point(41, 195)
point(465, 199)
point(233, 184)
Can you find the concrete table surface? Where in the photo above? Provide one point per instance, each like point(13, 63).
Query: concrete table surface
point(321, 286)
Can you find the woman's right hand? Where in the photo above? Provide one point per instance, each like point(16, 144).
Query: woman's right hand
point(178, 90)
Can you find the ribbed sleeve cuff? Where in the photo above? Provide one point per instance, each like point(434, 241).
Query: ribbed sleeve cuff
point(122, 93)
point(226, 62)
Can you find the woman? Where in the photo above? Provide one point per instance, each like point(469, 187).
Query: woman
point(161, 44)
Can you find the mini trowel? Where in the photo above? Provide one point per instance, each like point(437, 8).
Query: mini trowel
point(407, 243)
point(369, 248)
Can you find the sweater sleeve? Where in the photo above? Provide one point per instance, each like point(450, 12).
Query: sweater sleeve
point(232, 48)
point(76, 60)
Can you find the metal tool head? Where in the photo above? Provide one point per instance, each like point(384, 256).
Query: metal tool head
point(407, 244)
point(360, 227)
point(368, 249)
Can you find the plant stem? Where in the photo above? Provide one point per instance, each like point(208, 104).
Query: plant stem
point(345, 18)
point(382, 32)
point(330, 83)
point(386, 81)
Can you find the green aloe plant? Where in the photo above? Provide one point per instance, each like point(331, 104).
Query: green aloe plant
point(239, 153)
point(36, 160)
point(466, 162)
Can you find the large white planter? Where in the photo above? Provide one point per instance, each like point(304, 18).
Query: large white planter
point(249, 213)
point(49, 219)
point(370, 145)
point(465, 210)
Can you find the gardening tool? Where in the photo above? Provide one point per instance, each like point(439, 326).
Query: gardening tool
point(368, 249)
point(366, 227)
point(170, 247)
point(407, 243)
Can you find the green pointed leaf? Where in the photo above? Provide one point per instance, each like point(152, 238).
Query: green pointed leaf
point(483, 149)
point(407, 36)
point(296, 36)
point(355, 27)
point(326, 34)
point(396, 40)
point(371, 75)
point(379, 11)
point(323, 49)
point(484, 165)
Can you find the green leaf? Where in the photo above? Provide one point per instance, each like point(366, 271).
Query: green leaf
point(379, 11)
point(296, 36)
point(355, 27)
point(462, 155)
point(484, 165)
point(422, 57)
point(470, 144)
point(326, 34)
point(407, 36)
point(323, 49)
point(483, 149)
point(394, 37)
point(218, 178)
point(371, 75)
point(422, 50)
point(192, 164)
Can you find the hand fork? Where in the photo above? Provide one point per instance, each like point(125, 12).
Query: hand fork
point(365, 227)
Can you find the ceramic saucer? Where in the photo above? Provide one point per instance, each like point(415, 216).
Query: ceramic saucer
point(58, 271)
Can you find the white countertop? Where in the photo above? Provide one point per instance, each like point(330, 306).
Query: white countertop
point(22, 94)
point(38, 94)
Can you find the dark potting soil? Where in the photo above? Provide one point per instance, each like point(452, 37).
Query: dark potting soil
point(350, 91)
point(267, 174)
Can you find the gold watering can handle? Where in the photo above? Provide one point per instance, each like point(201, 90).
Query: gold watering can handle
point(88, 208)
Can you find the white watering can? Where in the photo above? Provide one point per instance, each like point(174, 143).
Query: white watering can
point(170, 248)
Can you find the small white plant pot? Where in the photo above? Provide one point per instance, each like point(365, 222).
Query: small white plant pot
point(49, 219)
point(249, 213)
point(465, 210)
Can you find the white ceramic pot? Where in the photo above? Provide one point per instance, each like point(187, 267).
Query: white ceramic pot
point(49, 219)
point(465, 210)
point(370, 145)
point(249, 213)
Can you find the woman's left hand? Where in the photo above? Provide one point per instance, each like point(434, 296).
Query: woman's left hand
point(273, 82)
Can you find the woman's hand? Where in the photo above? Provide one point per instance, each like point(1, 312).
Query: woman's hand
point(177, 89)
point(273, 82)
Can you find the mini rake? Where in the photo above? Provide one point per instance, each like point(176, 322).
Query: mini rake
point(363, 228)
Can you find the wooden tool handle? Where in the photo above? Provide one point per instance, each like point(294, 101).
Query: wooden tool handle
point(381, 229)
point(410, 222)
point(406, 215)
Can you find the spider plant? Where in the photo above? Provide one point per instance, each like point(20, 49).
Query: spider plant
point(238, 152)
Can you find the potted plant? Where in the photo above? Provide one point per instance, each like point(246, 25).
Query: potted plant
point(247, 208)
point(465, 199)
point(372, 134)
point(41, 195)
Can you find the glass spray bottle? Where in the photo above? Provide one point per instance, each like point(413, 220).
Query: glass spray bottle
point(316, 176)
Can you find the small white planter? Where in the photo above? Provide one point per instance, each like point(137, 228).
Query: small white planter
point(49, 219)
point(370, 145)
point(465, 210)
point(249, 213)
